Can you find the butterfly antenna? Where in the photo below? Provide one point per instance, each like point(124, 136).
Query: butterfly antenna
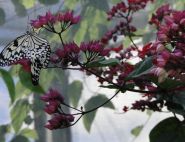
point(28, 27)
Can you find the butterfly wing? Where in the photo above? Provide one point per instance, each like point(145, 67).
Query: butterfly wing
point(41, 50)
point(14, 51)
point(39, 55)
point(29, 46)
point(35, 71)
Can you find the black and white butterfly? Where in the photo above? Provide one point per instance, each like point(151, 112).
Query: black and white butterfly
point(28, 46)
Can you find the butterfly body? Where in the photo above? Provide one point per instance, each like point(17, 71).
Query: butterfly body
point(28, 46)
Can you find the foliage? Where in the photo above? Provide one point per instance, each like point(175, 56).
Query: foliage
point(86, 44)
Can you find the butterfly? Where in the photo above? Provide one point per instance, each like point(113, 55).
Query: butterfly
point(31, 47)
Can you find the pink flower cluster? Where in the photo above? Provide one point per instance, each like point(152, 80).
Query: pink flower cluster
point(59, 119)
point(160, 13)
point(48, 20)
point(170, 46)
point(146, 104)
point(121, 9)
point(136, 5)
point(120, 29)
point(71, 52)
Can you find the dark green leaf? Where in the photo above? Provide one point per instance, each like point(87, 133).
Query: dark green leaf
point(2, 16)
point(3, 131)
point(136, 131)
point(92, 103)
point(18, 113)
point(28, 120)
point(25, 78)
point(75, 92)
point(168, 83)
point(129, 85)
point(48, 2)
point(19, 139)
point(179, 103)
point(29, 133)
point(141, 69)
point(109, 86)
point(103, 63)
point(168, 130)
point(175, 108)
point(9, 83)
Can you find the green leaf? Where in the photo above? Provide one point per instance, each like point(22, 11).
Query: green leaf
point(136, 131)
point(141, 69)
point(179, 99)
point(70, 4)
point(81, 32)
point(25, 79)
point(29, 133)
point(115, 1)
point(109, 86)
point(103, 63)
point(168, 130)
point(19, 8)
point(47, 80)
point(28, 120)
point(3, 131)
point(9, 83)
point(169, 47)
point(48, 2)
point(88, 120)
point(129, 85)
point(21, 91)
point(168, 83)
point(19, 139)
point(75, 92)
point(94, 102)
point(18, 113)
point(99, 4)
point(28, 3)
point(2, 16)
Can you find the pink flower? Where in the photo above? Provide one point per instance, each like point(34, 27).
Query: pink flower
point(162, 11)
point(48, 20)
point(60, 121)
point(67, 17)
point(52, 95)
point(69, 53)
point(36, 24)
point(25, 63)
point(52, 107)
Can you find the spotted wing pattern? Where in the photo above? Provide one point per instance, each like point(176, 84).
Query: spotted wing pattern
point(28, 46)
point(14, 52)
